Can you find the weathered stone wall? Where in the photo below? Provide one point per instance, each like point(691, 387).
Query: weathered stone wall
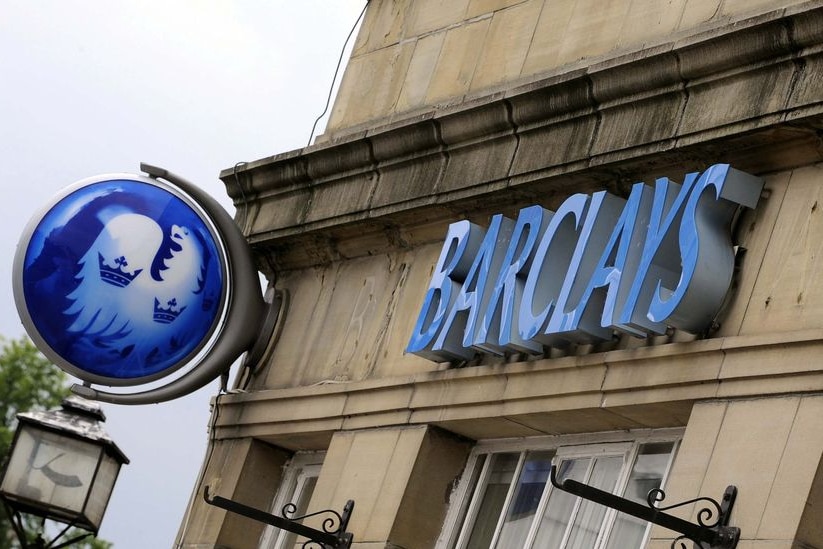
point(770, 449)
point(413, 55)
point(351, 320)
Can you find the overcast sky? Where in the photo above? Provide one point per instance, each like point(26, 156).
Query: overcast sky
point(93, 87)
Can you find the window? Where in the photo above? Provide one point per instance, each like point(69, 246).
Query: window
point(297, 487)
point(506, 501)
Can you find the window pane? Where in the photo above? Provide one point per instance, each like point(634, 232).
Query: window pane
point(494, 496)
point(590, 516)
point(647, 474)
point(290, 540)
point(560, 506)
point(472, 486)
point(530, 486)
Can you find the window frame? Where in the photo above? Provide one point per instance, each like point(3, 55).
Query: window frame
point(465, 500)
point(301, 467)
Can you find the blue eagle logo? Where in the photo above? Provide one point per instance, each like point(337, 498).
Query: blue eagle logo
point(123, 279)
point(121, 297)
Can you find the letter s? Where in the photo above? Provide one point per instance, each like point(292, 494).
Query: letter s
point(706, 250)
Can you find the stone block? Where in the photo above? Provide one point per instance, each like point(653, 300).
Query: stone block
point(421, 69)
point(695, 452)
point(740, 98)
point(506, 45)
point(792, 357)
point(655, 415)
point(635, 76)
point(808, 89)
point(382, 25)
point(481, 147)
point(247, 471)
point(256, 487)
point(650, 21)
point(765, 544)
point(738, 8)
point(480, 7)
point(455, 67)
point(674, 369)
point(554, 144)
point(403, 141)
point(688, 393)
point(549, 36)
point(371, 85)
point(370, 421)
point(795, 474)
point(810, 532)
point(786, 293)
point(593, 29)
point(716, 50)
point(553, 128)
point(364, 402)
point(480, 428)
point(457, 391)
point(408, 180)
point(473, 165)
point(372, 468)
point(807, 30)
point(309, 296)
point(640, 106)
point(390, 491)
point(346, 196)
point(698, 12)
point(285, 209)
point(754, 230)
point(741, 458)
point(415, 268)
point(334, 467)
point(322, 406)
point(430, 15)
point(639, 122)
point(752, 387)
point(566, 381)
point(437, 466)
point(409, 161)
point(564, 422)
point(336, 323)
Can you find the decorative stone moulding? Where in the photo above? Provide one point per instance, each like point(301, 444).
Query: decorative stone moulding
point(748, 93)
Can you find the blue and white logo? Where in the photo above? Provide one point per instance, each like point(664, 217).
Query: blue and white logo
point(123, 279)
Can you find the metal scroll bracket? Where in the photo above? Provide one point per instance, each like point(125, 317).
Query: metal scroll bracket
point(330, 537)
point(712, 530)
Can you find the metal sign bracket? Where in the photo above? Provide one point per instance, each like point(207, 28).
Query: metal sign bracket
point(712, 530)
point(330, 537)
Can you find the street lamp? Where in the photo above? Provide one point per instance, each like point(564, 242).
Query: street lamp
point(62, 466)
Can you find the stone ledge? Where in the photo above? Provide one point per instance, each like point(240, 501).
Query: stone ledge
point(744, 93)
point(648, 387)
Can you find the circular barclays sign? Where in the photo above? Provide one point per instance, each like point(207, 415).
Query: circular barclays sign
point(122, 280)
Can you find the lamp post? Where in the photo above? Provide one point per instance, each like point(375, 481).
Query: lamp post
point(62, 466)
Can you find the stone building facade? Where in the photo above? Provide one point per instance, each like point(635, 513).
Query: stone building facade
point(455, 110)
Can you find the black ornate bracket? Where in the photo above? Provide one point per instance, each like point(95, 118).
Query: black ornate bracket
point(711, 532)
point(330, 537)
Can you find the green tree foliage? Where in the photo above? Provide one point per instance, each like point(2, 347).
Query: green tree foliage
point(28, 381)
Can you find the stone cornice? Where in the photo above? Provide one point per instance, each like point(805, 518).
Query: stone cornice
point(749, 93)
point(647, 387)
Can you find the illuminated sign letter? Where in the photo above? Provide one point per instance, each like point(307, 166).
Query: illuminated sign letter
point(621, 254)
point(706, 249)
point(455, 336)
point(496, 327)
point(545, 280)
point(462, 242)
point(662, 257)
